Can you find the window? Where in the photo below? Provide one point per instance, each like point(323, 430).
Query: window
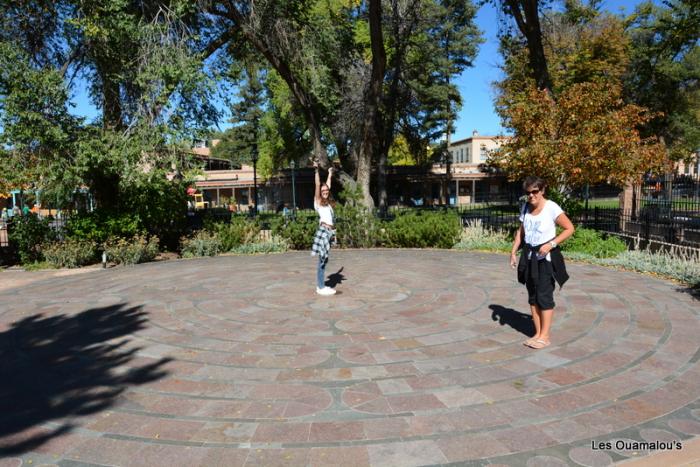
point(468, 158)
point(484, 152)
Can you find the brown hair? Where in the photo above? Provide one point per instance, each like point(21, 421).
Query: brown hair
point(535, 182)
point(326, 202)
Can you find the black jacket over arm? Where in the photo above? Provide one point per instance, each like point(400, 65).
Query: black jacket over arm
point(527, 268)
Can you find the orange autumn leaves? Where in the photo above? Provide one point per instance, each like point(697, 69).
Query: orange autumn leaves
point(589, 135)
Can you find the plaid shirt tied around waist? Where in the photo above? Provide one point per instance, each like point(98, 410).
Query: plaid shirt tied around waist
point(322, 242)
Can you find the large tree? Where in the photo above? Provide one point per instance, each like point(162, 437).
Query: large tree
point(579, 130)
point(664, 73)
point(143, 68)
point(360, 73)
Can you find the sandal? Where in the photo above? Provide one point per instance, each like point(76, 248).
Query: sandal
point(539, 344)
point(529, 341)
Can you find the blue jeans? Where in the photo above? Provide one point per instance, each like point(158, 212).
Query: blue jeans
point(321, 272)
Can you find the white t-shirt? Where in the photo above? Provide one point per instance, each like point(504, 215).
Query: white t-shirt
point(542, 227)
point(325, 213)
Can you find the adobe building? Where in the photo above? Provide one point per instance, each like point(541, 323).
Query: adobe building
point(463, 181)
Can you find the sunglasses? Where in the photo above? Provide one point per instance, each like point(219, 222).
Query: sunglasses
point(533, 192)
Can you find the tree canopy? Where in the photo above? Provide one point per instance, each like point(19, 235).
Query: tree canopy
point(580, 129)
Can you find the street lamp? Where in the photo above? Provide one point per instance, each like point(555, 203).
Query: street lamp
point(255, 176)
point(294, 190)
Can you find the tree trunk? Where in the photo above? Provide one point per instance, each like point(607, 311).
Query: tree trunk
point(381, 183)
point(371, 139)
point(364, 175)
point(526, 15)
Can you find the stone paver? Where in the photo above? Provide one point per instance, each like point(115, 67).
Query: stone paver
point(418, 360)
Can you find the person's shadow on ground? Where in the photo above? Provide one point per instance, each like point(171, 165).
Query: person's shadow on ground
point(513, 318)
point(59, 367)
point(335, 278)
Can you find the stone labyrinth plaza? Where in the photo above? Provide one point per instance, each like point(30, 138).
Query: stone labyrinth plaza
point(418, 360)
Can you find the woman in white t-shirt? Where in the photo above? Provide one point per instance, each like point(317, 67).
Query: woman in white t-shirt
point(323, 204)
point(541, 262)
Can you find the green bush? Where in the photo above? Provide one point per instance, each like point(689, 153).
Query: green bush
point(138, 249)
point(241, 231)
point(357, 227)
point(591, 242)
point(71, 253)
point(202, 243)
point(100, 225)
point(299, 233)
point(274, 245)
point(423, 229)
point(27, 233)
point(475, 236)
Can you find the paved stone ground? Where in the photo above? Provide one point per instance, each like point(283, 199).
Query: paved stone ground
point(418, 360)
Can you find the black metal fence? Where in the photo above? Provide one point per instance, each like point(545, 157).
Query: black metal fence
point(661, 210)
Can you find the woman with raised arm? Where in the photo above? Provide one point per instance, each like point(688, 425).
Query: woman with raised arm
point(323, 204)
point(541, 262)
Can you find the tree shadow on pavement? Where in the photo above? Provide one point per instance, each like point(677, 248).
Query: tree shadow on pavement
point(335, 278)
point(55, 368)
point(513, 318)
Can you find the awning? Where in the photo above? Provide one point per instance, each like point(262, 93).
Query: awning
point(226, 184)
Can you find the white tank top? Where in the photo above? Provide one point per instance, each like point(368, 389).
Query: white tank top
point(325, 213)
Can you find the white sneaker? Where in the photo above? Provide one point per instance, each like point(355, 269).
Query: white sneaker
point(325, 291)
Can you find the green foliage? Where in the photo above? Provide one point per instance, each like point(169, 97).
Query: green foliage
point(38, 266)
point(299, 233)
point(593, 243)
point(100, 225)
point(274, 245)
point(240, 142)
point(27, 234)
point(423, 229)
point(664, 73)
point(476, 236)
point(202, 243)
point(357, 227)
point(139, 249)
point(160, 207)
point(34, 121)
point(71, 253)
point(240, 231)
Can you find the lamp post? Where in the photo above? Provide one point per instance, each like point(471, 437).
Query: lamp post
point(255, 177)
point(294, 190)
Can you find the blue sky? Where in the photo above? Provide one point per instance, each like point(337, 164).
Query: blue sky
point(474, 84)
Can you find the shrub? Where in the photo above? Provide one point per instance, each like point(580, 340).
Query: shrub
point(357, 227)
point(240, 231)
point(274, 245)
point(423, 229)
point(591, 242)
point(202, 243)
point(475, 236)
point(27, 233)
point(100, 225)
point(138, 249)
point(71, 253)
point(299, 233)
point(680, 265)
point(160, 205)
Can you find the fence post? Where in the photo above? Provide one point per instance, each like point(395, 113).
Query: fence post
point(595, 218)
point(647, 227)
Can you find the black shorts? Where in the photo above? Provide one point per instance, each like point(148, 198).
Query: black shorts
point(542, 293)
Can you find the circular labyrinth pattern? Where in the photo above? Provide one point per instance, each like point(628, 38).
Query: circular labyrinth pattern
point(418, 360)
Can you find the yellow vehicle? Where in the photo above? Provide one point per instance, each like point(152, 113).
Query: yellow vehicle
point(199, 202)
